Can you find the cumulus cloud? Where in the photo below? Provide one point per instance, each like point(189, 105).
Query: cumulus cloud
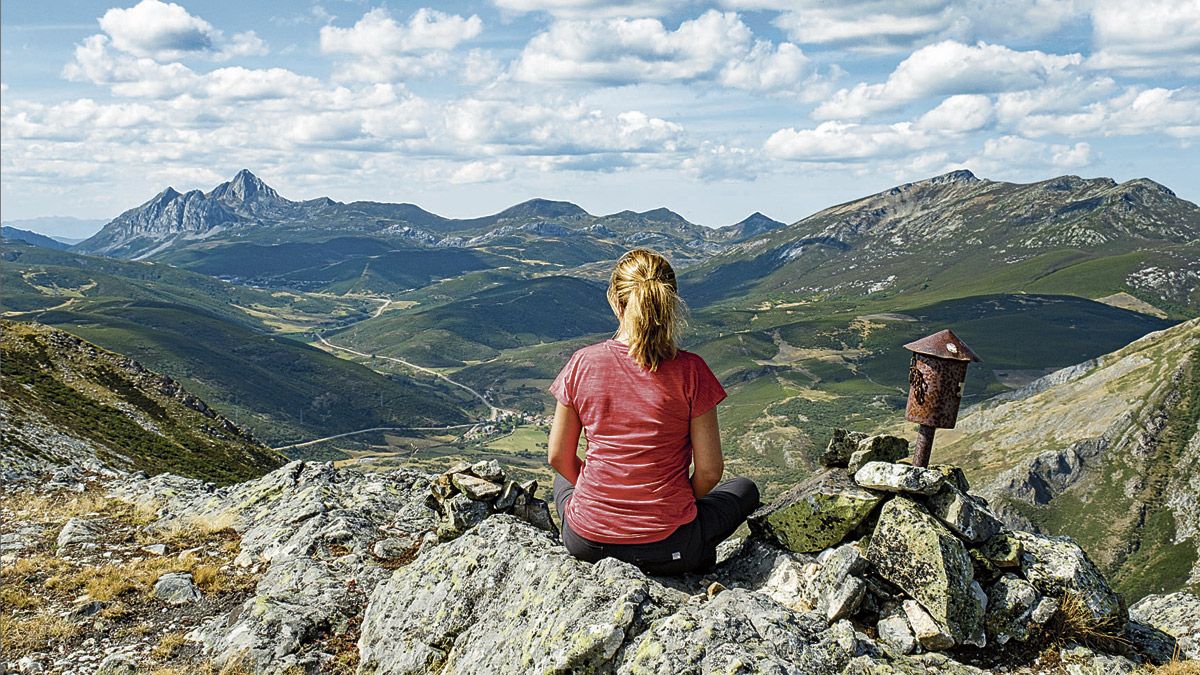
point(385, 49)
point(841, 142)
point(592, 8)
point(715, 46)
point(893, 25)
point(1135, 111)
point(480, 172)
point(165, 31)
point(948, 68)
point(1148, 37)
point(962, 112)
point(718, 161)
point(1014, 151)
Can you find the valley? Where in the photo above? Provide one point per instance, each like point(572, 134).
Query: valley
point(383, 336)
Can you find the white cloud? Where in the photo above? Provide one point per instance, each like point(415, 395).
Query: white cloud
point(895, 25)
point(480, 172)
point(241, 84)
point(384, 49)
point(714, 46)
point(592, 8)
point(1015, 151)
point(1135, 111)
point(949, 68)
point(166, 31)
point(840, 142)
point(963, 112)
point(1143, 38)
point(718, 161)
point(127, 75)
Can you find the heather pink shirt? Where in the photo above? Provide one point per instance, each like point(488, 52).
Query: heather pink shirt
point(634, 487)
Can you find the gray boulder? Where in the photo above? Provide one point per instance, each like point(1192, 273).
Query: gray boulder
point(890, 477)
point(1011, 601)
point(894, 632)
point(489, 470)
point(176, 588)
point(1176, 614)
point(878, 449)
point(841, 445)
point(836, 591)
point(815, 514)
point(914, 551)
point(475, 488)
point(964, 514)
point(1056, 566)
point(77, 532)
point(461, 514)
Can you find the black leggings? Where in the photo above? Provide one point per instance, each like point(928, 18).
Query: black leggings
point(690, 548)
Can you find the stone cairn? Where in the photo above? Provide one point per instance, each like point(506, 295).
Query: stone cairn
point(909, 551)
point(466, 494)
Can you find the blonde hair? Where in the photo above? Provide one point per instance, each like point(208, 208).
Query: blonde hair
point(643, 292)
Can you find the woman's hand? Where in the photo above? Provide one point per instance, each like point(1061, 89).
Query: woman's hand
point(562, 450)
point(706, 453)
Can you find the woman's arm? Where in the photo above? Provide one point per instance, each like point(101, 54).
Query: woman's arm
point(564, 443)
point(706, 453)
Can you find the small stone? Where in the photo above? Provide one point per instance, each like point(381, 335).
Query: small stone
point(507, 498)
point(442, 488)
point(461, 514)
point(155, 549)
point(928, 633)
point(815, 514)
point(537, 513)
point(893, 630)
point(117, 664)
point(76, 532)
point(1043, 611)
point(954, 476)
point(28, 664)
point(395, 548)
point(530, 487)
point(714, 589)
point(964, 515)
point(841, 445)
point(835, 592)
point(878, 449)
point(176, 588)
point(458, 467)
point(890, 477)
point(86, 609)
point(1010, 602)
point(475, 488)
point(489, 470)
point(1003, 550)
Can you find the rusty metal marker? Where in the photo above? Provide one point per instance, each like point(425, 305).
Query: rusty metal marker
point(935, 386)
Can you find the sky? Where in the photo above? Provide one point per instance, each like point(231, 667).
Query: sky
point(714, 110)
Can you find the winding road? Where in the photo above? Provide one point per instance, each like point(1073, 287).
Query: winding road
point(494, 412)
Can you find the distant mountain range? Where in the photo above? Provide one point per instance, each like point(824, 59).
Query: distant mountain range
point(246, 209)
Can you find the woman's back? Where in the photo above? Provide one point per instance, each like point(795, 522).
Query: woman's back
point(634, 486)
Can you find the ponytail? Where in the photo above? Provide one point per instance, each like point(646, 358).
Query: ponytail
point(643, 292)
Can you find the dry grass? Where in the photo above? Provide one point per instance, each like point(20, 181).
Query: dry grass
point(108, 582)
point(1074, 623)
point(37, 633)
point(15, 598)
point(192, 532)
point(167, 646)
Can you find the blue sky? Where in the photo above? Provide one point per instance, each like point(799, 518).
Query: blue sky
point(714, 110)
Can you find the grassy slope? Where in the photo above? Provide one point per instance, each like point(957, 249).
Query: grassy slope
point(279, 388)
point(92, 396)
point(1116, 508)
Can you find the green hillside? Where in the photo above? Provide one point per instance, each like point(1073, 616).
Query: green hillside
point(65, 399)
point(1108, 453)
point(281, 389)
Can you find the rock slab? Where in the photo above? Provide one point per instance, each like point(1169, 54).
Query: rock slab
point(815, 514)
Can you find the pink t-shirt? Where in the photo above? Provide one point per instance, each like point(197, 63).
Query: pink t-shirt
point(634, 487)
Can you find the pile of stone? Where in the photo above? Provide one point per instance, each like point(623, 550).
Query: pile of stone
point(466, 494)
point(909, 551)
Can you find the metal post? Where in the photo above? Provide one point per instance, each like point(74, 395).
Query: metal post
point(924, 445)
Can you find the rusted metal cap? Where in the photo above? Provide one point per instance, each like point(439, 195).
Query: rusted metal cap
point(943, 345)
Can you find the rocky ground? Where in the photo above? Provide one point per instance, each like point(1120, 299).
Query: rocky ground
point(872, 566)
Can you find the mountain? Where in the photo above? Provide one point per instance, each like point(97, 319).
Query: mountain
point(753, 225)
point(1107, 451)
point(213, 230)
point(956, 235)
point(31, 238)
point(67, 401)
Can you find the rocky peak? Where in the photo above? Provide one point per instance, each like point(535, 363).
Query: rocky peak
point(245, 189)
point(956, 176)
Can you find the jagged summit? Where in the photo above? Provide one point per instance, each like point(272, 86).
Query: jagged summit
point(245, 187)
point(541, 208)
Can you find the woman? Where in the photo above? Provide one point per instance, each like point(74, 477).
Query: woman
point(649, 410)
